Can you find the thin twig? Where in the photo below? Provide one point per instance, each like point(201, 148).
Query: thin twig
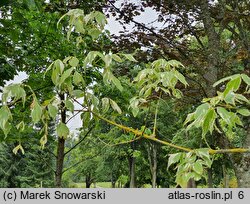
point(84, 137)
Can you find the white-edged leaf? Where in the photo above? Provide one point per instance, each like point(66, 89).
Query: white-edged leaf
point(129, 57)
point(36, 111)
point(117, 58)
point(225, 79)
point(115, 106)
point(52, 111)
point(246, 79)
point(62, 130)
point(197, 167)
point(244, 112)
point(73, 62)
point(77, 78)
point(69, 105)
point(66, 75)
point(105, 104)
point(174, 158)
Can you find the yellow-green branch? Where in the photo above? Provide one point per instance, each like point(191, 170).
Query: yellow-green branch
point(152, 138)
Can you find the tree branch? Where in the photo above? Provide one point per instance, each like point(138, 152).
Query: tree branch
point(149, 29)
point(186, 149)
point(84, 137)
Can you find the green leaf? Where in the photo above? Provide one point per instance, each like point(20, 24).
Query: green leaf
point(62, 130)
point(230, 98)
point(237, 120)
point(129, 57)
point(198, 116)
point(190, 118)
point(107, 59)
point(86, 118)
point(100, 18)
point(180, 77)
point(197, 167)
point(226, 79)
point(182, 179)
point(36, 111)
point(117, 58)
point(208, 124)
point(246, 79)
point(244, 112)
point(20, 126)
point(115, 106)
point(77, 78)
point(78, 93)
point(5, 117)
point(134, 102)
point(52, 111)
point(94, 33)
point(174, 158)
point(160, 63)
point(91, 57)
point(65, 75)
point(69, 105)
point(224, 114)
point(105, 105)
point(135, 111)
point(148, 92)
point(59, 66)
point(79, 26)
point(43, 140)
point(73, 62)
point(240, 98)
point(18, 147)
point(232, 85)
point(117, 83)
point(109, 77)
point(175, 63)
point(55, 76)
point(203, 153)
point(13, 91)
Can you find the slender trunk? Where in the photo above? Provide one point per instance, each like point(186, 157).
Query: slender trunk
point(131, 161)
point(210, 178)
point(88, 180)
point(132, 172)
point(152, 157)
point(191, 183)
point(113, 181)
point(225, 177)
point(60, 148)
point(59, 162)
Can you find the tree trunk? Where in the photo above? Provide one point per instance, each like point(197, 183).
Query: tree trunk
point(59, 162)
point(211, 71)
point(225, 177)
point(131, 161)
point(210, 178)
point(242, 164)
point(113, 181)
point(152, 157)
point(60, 148)
point(213, 51)
point(88, 180)
point(191, 183)
point(132, 172)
